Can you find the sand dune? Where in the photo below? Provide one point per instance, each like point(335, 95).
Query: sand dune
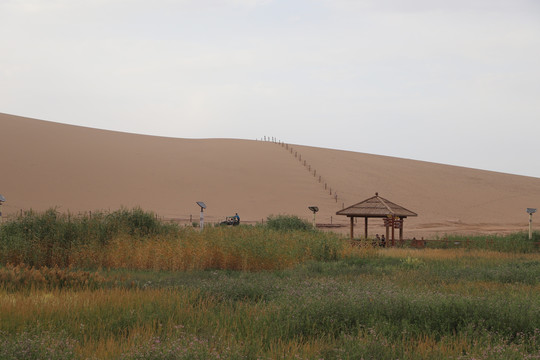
point(76, 169)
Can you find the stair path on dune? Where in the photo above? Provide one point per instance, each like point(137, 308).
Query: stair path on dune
point(289, 148)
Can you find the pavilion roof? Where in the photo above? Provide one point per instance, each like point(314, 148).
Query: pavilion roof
point(376, 206)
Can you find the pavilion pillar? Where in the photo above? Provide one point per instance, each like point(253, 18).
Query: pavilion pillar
point(365, 227)
point(352, 227)
point(387, 235)
point(393, 241)
point(401, 229)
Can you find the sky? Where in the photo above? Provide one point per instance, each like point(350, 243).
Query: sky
point(453, 82)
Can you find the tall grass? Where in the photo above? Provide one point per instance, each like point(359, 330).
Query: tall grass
point(238, 248)
point(377, 308)
point(136, 240)
point(516, 242)
point(305, 294)
point(47, 239)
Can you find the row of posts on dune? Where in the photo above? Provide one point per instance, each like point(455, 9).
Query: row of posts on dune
point(332, 192)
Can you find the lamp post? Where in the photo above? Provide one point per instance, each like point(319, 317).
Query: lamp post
point(314, 209)
point(530, 211)
point(2, 200)
point(203, 206)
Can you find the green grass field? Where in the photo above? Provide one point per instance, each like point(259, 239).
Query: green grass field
point(124, 286)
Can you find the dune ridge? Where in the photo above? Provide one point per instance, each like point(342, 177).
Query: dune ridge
point(77, 169)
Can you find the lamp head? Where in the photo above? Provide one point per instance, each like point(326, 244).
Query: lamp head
point(201, 204)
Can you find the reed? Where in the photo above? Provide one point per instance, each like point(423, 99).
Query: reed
point(136, 240)
point(144, 291)
point(238, 248)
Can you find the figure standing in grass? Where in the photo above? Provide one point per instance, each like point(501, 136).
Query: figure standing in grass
point(236, 219)
point(383, 241)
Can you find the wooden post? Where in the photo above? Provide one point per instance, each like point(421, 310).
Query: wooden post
point(387, 234)
point(365, 227)
point(352, 228)
point(392, 234)
point(401, 229)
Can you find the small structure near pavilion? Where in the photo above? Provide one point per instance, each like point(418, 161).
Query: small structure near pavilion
point(392, 214)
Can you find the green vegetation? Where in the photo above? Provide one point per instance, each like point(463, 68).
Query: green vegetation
point(305, 295)
point(287, 223)
point(47, 239)
point(517, 242)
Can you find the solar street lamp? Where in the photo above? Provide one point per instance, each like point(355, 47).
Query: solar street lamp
point(315, 209)
point(2, 200)
point(530, 211)
point(203, 206)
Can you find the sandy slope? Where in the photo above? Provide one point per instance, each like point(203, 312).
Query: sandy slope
point(77, 169)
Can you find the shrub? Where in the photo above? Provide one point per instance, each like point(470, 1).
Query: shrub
point(287, 223)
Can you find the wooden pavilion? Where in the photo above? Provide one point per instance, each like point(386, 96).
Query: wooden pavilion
point(392, 214)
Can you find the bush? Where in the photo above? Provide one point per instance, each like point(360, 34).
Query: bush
point(287, 223)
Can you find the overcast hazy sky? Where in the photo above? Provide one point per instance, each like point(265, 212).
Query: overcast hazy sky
point(455, 82)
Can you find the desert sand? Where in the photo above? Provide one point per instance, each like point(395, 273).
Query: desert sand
point(75, 169)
